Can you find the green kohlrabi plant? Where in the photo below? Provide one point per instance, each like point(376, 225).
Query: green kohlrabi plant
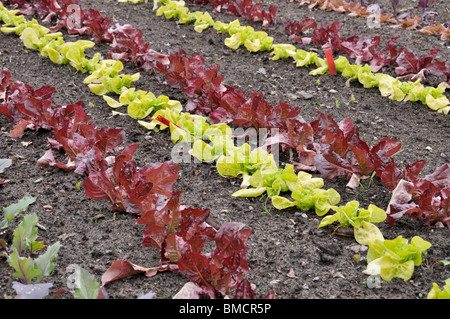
point(14, 209)
point(24, 246)
point(86, 286)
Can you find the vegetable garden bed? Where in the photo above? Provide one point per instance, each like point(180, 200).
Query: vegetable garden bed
point(289, 256)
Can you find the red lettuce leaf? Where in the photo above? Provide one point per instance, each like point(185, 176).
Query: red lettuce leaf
point(294, 28)
point(6, 80)
point(244, 291)
point(418, 67)
point(221, 271)
point(328, 34)
point(124, 268)
point(426, 199)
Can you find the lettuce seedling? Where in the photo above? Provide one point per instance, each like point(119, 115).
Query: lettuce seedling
point(360, 219)
point(308, 194)
point(395, 258)
point(436, 293)
point(352, 215)
point(242, 162)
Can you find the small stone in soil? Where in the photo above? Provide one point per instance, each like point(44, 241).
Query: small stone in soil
point(306, 95)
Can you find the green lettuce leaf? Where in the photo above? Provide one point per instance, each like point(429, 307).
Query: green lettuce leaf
point(14, 209)
point(87, 286)
point(436, 293)
point(395, 258)
point(203, 21)
point(352, 215)
point(283, 51)
point(280, 202)
point(316, 198)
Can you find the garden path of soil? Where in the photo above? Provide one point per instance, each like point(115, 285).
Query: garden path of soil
point(288, 254)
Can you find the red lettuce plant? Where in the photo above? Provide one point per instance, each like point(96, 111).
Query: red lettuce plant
point(180, 233)
point(294, 28)
point(328, 34)
point(219, 271)
point(426, 199)
point(124, 183)
point(244, 8)
point(28, 107)
point(183, 236)
point(128, 45)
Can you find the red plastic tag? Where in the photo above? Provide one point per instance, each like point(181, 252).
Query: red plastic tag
point(163, 120)
point(166, 122)
point(330, 61)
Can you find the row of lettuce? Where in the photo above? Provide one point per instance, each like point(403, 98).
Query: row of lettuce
point(401, 60)
point(179, 232)
point(260, 41)
point(258, 168)
point(107, 78)
point(404, 20)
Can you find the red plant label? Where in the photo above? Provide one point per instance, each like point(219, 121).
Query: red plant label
point(330, 59)
point(166, 122)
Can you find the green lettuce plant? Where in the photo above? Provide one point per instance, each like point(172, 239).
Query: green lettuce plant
point(395, 258)
point(86, 286)
point(317, 199)
point(107, 78)
point(436, 293)
point(360, 219)
point(141, 104)
point(243, 162)
point(272, 180)
point(307, 193)
point(53, 46)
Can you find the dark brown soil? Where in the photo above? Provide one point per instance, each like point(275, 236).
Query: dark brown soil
point(288, 254)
